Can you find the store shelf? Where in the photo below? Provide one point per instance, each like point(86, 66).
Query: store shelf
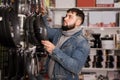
point(101, 28)
point(99, 69)
point(89, 9)
point(115, 49)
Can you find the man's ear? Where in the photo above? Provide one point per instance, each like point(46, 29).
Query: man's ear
point(78, 22)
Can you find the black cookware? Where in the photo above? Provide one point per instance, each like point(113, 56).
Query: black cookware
point(10, 29)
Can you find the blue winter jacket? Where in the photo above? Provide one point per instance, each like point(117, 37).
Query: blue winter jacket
point(70, 57)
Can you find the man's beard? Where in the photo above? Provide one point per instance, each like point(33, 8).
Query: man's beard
point(68, 27)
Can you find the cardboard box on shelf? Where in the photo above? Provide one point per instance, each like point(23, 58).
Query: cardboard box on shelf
point(117, 3)
point(104, 3)
point(113, 75)
point(102, 19)
point(85, 3)
point(65, 3)
point(89, 76)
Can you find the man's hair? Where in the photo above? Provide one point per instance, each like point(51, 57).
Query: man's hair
point(78, 13)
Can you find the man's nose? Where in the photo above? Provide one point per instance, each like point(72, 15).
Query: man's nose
point(65, 18)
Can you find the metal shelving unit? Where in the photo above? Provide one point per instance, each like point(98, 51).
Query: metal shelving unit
point(89, 9)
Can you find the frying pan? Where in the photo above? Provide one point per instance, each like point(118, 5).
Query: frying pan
point(7, 33)
point(40, 29)
point(32, 39)
point(10, 28)
point(29, 31)
point(26, 29)
point(35, 27)
point(32, 64)
point(3, 28)
point(2, 25)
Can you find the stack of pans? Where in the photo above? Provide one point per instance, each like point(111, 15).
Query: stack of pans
point(35, 31)
point(9, 27)
point(34, 27)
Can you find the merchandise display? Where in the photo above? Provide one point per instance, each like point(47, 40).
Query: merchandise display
point(22, 56)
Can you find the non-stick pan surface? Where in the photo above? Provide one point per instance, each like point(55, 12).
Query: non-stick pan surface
point(10, 29)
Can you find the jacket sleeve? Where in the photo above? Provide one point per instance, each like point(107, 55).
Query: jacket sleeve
point(75, 62)
point(50, 31)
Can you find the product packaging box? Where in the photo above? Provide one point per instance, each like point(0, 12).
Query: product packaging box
point(85, 3)
point(113, 75)
point(104, 3)
point(102, 19)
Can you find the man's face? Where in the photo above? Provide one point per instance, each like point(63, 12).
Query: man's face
point(69, 21)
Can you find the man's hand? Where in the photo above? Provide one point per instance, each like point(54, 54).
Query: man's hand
point(43, 10)
point(49, 47)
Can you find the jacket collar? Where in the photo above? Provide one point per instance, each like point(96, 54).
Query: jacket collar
point(71, 32)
